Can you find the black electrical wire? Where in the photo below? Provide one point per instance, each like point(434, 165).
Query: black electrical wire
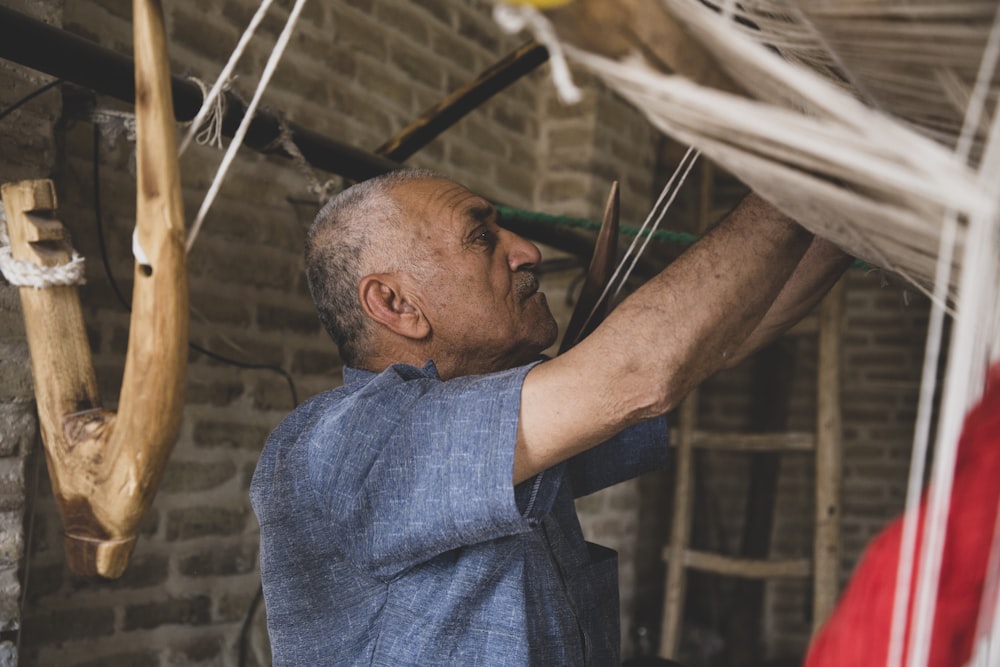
point(27, 98)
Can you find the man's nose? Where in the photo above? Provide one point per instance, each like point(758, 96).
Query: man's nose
point(521, 253)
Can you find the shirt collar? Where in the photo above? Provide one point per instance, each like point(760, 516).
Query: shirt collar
point(357, 375)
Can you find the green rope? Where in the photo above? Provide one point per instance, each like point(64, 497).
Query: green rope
point(668, 236)
point(593, 225)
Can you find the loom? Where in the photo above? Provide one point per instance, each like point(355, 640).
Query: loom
point(874, 125)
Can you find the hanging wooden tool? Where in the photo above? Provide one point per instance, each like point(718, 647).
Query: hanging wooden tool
point(105, 466)
point(588, 313)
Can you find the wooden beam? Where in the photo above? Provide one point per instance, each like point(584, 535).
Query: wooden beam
point(732, 566)
point(526, 58)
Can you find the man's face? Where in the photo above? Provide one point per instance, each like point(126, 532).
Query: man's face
point(475, 281)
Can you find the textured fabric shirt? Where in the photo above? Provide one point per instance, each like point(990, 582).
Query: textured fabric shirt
point(392, 534)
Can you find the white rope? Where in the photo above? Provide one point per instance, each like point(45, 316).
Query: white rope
point(655, 216)
point(691, 156)
point(515, 19)
point(272, 64)
point(208, 106)
point(28, 274)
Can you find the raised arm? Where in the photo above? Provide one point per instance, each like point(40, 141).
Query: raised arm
point(746, 280)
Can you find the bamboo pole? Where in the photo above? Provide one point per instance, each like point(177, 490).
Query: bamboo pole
point(829, 457)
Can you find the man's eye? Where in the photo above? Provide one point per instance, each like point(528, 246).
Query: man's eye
point(487, 237)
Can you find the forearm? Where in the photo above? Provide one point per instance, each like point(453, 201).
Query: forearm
point(697, 315)
point(818, 271)
point(672, 333)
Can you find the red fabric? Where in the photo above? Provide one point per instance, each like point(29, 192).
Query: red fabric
point(857, 632)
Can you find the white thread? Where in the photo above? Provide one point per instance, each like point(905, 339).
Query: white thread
point(958, 392)
point(669, 190)
point(515, 19)
point(322, 190)
point(210, 133)
point(272, 64)
point(207, 105)
point(28, 274)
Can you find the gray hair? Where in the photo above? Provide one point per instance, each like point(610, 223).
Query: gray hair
point(342, 244)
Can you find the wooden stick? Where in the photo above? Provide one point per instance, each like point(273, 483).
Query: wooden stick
point(602, 263)
point(105, 468)
point(459, 103)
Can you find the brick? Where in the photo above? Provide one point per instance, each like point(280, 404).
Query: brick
point(317, 362)
point(204, 650)
point(386, 86)
point(193, 522)
point(360, 35)
point(218, 311)
point(235, 607)
point(18, 427)
point(67, 625)
point(221, 562)
point(475, 29)
point(192, 30)
point(218, 393)
point(416, 66)
point(439, 9)
point(143, 571)
point(193, 476)
point(141, 658)
point(230, 434)
point(271, 393)
point(272, 317)
point(15, 371)
point(401, 18)
point(173, 611)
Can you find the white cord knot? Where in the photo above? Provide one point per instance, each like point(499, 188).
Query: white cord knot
point(28, 274)
point(523, 17)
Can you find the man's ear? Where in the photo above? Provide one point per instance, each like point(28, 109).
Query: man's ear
point(383, 300)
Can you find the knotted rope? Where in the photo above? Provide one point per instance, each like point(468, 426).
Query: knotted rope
point(28, 274)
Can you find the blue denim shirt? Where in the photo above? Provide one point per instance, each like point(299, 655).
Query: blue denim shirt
point(391, 533)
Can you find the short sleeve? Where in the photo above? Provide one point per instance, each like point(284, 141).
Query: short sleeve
point(640, 449)
point(409, 467)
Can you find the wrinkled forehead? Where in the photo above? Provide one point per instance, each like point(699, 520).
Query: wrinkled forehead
point(436, 208)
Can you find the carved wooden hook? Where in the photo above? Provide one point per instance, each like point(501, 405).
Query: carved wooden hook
point(105, 467)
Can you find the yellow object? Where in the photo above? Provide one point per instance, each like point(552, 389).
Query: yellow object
point(540, 4)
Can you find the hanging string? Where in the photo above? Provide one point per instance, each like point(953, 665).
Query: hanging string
point(208, 105)
point(210, 133)
point(227, 160)
point(656, 216)
point(323, 190)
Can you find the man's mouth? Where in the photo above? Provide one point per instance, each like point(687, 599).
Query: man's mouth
point(526, 284)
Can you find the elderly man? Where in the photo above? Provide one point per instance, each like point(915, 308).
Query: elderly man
point(422, 513)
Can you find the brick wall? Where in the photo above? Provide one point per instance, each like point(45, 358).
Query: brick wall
point(27, 150)
point(356, 70)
